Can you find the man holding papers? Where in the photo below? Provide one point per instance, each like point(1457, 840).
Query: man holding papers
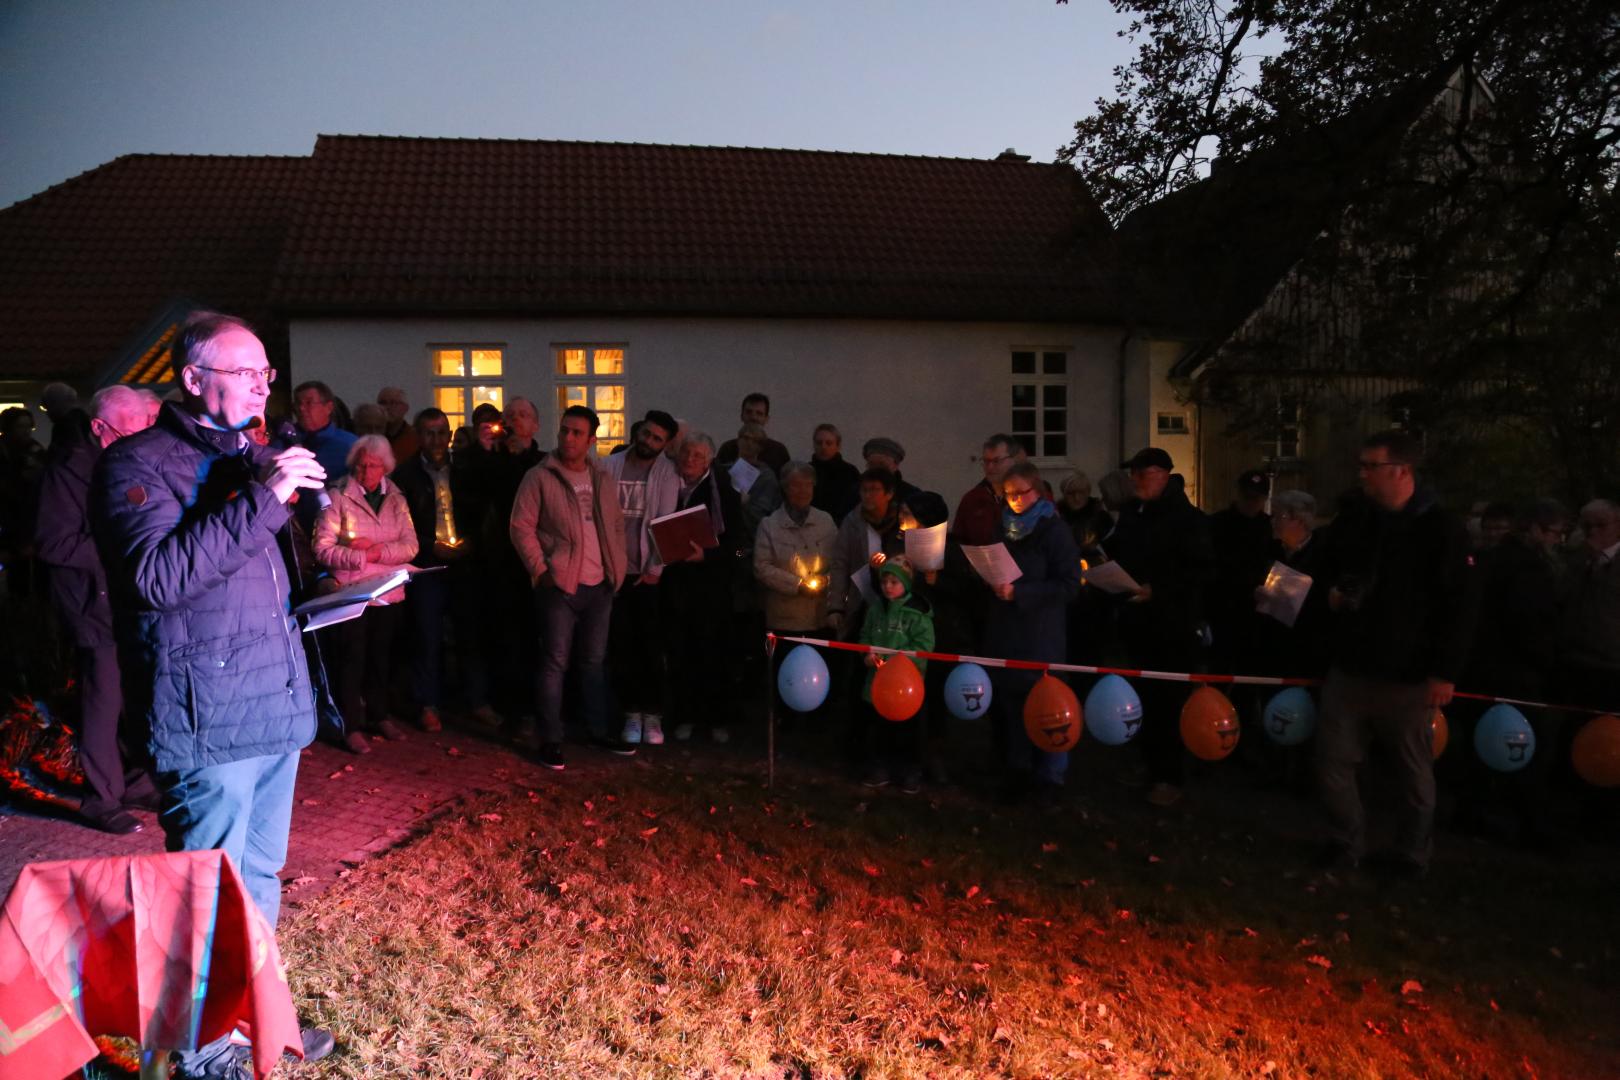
point(1162, 541)
point(185, 514)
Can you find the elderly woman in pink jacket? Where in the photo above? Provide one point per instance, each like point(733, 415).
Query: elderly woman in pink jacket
point(366, 532)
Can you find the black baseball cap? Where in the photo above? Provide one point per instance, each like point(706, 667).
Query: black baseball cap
point(1255, 482)
point(1149, 457)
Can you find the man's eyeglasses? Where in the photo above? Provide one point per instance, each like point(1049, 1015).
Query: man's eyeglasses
point(1369, 466)
point(267, 374)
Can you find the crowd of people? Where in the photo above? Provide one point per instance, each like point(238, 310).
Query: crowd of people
point(548, 597)
point(174, 539)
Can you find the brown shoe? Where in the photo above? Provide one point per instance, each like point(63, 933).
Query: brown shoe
point(356, 743)
point(429, 720)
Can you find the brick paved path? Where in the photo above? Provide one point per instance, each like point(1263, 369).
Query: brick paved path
point(346, 809)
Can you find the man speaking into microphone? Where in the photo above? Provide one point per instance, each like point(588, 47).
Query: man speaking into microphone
point(185, 515)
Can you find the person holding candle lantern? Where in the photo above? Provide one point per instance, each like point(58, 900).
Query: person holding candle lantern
point(366, 532)
point(793, 556)
point(444, 516)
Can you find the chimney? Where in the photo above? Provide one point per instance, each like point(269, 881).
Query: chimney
point(1010, 154)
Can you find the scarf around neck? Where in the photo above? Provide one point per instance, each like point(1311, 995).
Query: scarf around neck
point(1018, 526)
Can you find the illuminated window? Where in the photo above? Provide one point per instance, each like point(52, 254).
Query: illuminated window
point(1040, 402)
point(465, 377)
point(593, 376)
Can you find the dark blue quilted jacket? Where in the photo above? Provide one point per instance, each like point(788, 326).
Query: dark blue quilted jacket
point(211, 658)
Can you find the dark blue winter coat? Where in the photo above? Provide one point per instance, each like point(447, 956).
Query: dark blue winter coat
point(211, 658)
point(1034, 624)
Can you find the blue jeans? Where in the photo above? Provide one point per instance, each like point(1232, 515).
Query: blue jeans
point(245, 809)
point(586, 615)
point(242, 807)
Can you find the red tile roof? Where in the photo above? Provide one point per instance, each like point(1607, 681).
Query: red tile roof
point(471, 225)
point(87, 264)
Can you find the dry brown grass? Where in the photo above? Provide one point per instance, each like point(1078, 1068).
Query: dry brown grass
point(675, 919)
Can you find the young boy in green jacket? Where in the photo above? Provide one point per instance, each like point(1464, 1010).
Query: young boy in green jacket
point(896, 620)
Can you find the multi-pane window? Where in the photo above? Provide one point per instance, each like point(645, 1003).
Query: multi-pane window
point(465, 377)
point(593, 376)
point(1040, 401)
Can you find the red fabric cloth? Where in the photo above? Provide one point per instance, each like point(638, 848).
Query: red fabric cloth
point(168, 950)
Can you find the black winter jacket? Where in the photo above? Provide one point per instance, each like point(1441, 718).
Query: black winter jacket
point(1166, 544)
point(1410, 584)
point(212, 660)
point(62, 539)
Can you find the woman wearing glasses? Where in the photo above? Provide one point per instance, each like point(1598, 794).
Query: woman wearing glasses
point(1027, 621)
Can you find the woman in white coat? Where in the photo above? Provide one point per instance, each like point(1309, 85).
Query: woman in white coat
point(365, 533)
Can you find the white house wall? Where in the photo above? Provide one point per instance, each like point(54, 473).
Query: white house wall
point(938, 388)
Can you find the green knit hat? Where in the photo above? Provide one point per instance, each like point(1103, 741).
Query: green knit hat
point(900, 567)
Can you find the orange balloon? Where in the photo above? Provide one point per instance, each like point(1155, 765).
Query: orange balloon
point(897, 689)
point(1052, 715)
point(1595, 752)
point(1209, 724)
point(1440, 731)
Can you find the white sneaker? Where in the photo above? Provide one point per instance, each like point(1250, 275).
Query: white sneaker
point(683, 732)
point(720, 735)
point(652, 729)
point(632, 728)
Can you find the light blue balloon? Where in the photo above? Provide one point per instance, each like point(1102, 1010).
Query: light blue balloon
point(1504, 739)
point(967, 692)
point(1113, 711)
point(803, 679)
point(1290, 716)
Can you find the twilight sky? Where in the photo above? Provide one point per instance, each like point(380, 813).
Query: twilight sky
point(83, 81)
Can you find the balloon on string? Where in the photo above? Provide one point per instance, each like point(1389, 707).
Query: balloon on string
point(897, 689)
point(967, 692)
point(1113, 711)
point(1595, 753)
point(1290, 716)
point(1439, 732)
point(1503, 739)
point(802, 679)
point(1209, 724)
point(1052, 715)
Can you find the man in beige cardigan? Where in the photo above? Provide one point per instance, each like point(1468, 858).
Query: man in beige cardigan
point(569, 532)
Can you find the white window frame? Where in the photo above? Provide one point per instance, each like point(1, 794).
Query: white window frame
point(606, 439)
point(468, 383)
point(1041, 379)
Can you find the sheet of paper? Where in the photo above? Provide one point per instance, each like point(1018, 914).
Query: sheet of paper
point(926, 547)
point(993, 562)
point(743, 476)
point(862, 580)
point(1110, 577)
point(1283, 594)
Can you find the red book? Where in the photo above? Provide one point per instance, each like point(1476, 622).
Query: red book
point(674, 534)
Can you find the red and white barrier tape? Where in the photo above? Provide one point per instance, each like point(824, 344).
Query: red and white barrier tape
point(1130, 673)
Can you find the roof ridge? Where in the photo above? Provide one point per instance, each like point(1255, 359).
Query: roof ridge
point(78, 179)
point(679, 146)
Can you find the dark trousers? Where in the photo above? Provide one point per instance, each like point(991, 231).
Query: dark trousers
point(636, 648)
point(1162, 749)
point(1021, 756)
point(110, 782)
point(892, 744)
point(573, 633)
point(365, 647)
point(452, 592)
point(695, 607)
point(1356, 713)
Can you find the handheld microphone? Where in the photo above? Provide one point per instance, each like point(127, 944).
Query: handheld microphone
point(286, 433)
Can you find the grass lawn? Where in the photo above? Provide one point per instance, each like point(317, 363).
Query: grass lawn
point(668, 916)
